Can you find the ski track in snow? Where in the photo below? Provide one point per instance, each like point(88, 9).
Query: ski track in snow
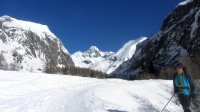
point(37, 92)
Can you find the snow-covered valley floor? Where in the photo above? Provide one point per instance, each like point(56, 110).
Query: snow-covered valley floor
point(38, 92)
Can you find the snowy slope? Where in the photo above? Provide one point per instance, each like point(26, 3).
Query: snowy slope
point(128, 50)
point(29, 92)
point(111, 63)
point(30, 45)
point(106, 61)
point(87, 58)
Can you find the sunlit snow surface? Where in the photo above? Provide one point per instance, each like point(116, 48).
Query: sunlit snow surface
point(37, 92)
point(185, 2)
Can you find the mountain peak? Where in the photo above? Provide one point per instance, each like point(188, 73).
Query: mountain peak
point(93, 48)
point(6, 18)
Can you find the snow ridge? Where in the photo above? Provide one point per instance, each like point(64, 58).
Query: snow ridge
point(37, 28)
point(185, 2)
point(114, 61)
point(106, 62)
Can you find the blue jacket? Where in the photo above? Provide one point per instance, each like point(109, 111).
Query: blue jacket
point(187, 84)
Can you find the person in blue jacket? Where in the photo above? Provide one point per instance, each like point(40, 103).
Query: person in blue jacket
point(183, 87)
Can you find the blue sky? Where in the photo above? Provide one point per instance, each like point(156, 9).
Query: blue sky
point(107, 24)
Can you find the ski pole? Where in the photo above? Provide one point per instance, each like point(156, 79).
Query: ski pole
point(168, 102)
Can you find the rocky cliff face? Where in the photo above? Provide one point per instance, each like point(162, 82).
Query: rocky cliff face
point(30, 46)
point(177, 40)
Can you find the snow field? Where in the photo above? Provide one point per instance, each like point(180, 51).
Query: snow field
point(38, 92)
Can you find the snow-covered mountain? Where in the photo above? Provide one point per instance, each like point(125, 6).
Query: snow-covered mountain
point(112, 62)
point(29, 46)
point(177, 41)
point(106, 61)
point(87, 58)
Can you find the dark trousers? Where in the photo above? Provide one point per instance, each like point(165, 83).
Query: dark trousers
point(185, 102)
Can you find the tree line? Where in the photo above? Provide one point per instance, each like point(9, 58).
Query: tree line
point(72, 70)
